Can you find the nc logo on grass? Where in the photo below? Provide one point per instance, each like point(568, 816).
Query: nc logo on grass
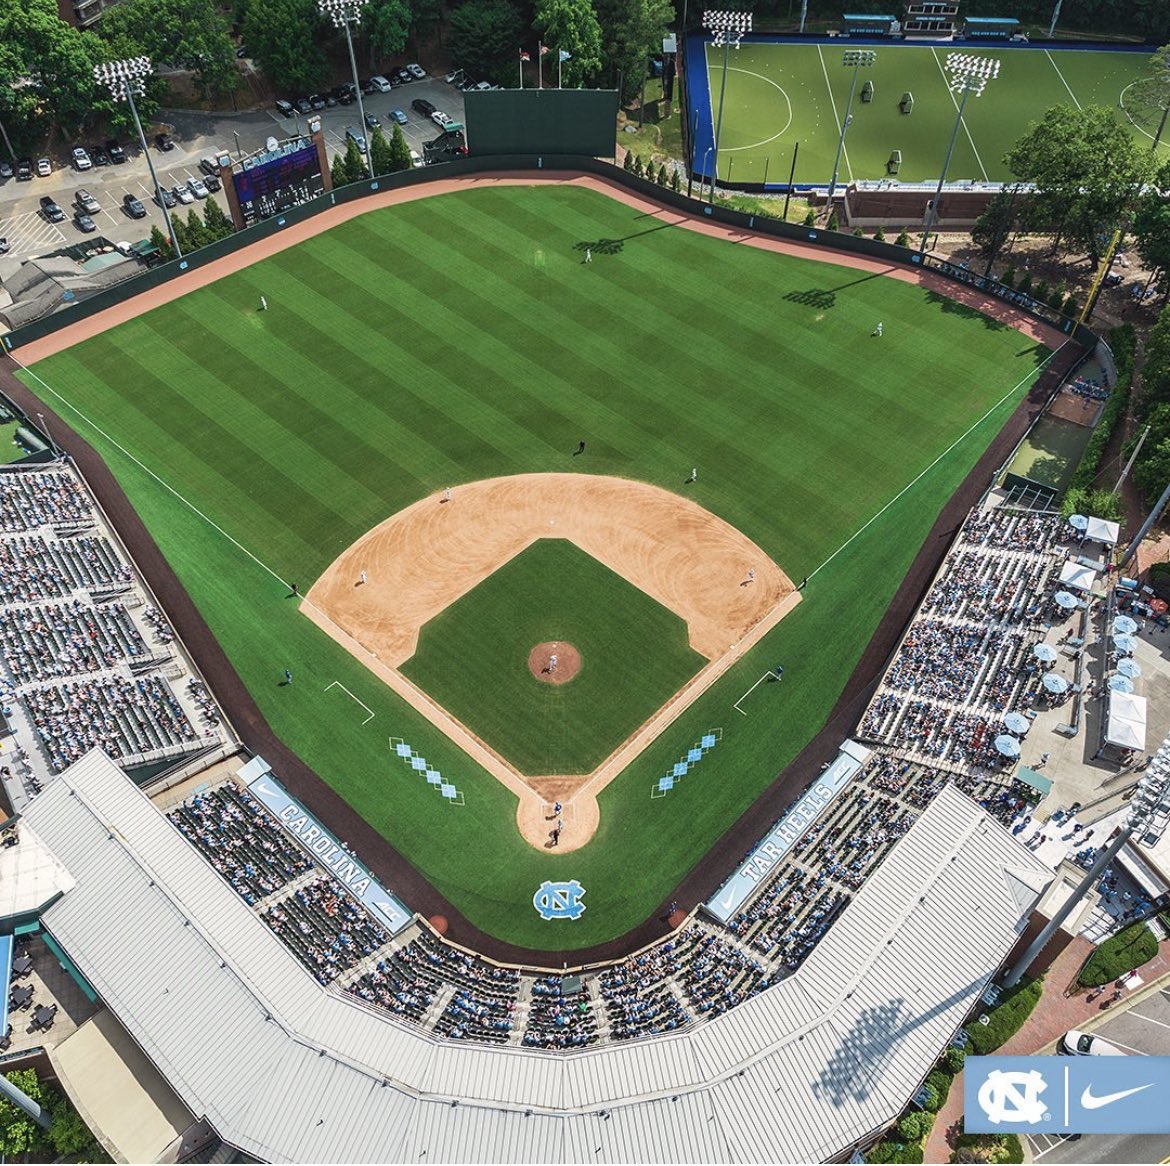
point(559, 900)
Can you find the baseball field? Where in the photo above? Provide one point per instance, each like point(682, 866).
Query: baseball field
point(453, 339)
point(780, 94)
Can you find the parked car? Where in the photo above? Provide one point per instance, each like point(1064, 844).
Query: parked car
point(212, 182)
point(81, 158)
point(197, 187)
point(441, 119)
point(355, 137)
point(4, 244)
point(49, 208)
point(416, 159)
point(168, 199)
point(404, 75)
point(115, 151)
point(1084, 1044)
point(183, 194)
point(5, 169)
point(285, 108)
point(381, 84)
point(468, 84)
point(485, 85)
point(398, 115)
point(99, 155)
point(344, 93)
point(123, 247)
point(84, 222)
point(417, 72)
point(164, 142)
point(209, 164)
point(133, 207)
point(422, 106)
point(44, 167)
point(454, 77)
point(24, 170)
point(372, 122)
point(317, 101)
point(304, 105)
point(87, 202)
point(366, 86)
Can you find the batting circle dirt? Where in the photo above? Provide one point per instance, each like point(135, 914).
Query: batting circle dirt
point(554, 662)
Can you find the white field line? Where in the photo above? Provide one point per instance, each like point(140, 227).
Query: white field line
point(836, 117)
point(1062, 80)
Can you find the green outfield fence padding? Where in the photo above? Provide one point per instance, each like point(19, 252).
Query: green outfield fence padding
point(541, 121)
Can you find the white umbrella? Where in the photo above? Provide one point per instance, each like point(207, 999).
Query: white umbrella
point(1065, 600)
point(1124, 644)
point(1017, 723)
point(1130, 668)
point(1045, 652)
point(1055, 684)
point(1008, 746)
point(1121, 684)
point(1124, 626)
point(1078, 522)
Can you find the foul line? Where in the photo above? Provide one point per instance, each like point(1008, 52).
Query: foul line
point(934, 53)
point(749, 692)
point(1061, 76)
point(143, 466)
point(338, 684)
point(836, 118)
point(950, 448)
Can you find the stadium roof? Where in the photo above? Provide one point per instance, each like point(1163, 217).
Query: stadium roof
point(289, 1071)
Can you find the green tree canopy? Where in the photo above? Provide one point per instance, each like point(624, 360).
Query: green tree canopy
point(19, 1134)
point(216, 222)
point(355, 163)
point(399, 150)
point(630, 31)
point(380, 152)
point(386, 26)
point(570, 26)
point(484, 37)
point(1147, 100)
point(284, 36)
point(1087, 170)
point(1151, 222)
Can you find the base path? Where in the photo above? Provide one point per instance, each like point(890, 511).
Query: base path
point(378, 593)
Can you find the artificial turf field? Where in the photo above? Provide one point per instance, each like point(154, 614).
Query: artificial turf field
point(780, 94)
point(461, 337)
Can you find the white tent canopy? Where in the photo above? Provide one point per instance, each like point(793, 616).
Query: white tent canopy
point(1102, 531)
point(1073, 574)
point(1127, 721)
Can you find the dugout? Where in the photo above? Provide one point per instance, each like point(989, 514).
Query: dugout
point(863, 25)
point(541, 122)
point(990, 27)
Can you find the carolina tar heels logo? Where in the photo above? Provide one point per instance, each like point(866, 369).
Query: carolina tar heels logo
point(1013, 1097)
point(559, 900)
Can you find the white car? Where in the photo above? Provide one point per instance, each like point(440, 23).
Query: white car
point(1084, 1044)
point(44, 167)
point(417, 72)
point(183, 194)
point(454, 77)
point(81, 158)
point(441, 119)
point(416, 159)
point(381, 84)
point(197, 187)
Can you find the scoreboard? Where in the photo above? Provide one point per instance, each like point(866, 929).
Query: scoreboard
point(272, 181)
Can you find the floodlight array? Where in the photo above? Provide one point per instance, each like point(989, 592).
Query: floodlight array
point(727, 26)
point(124, 77)
point(970, 73)
point(342, 12)
point(859, 58)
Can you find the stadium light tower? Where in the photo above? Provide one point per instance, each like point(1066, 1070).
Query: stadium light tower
point(727, 27)
point(124, 79)
point(343, 13)
point(858, 59)
point(969, 75)
point(1149, 813)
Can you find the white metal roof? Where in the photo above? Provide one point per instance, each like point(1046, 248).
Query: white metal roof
point(290, 1072)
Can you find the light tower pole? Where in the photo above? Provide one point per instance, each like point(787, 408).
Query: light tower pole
point(1149, 812)
point(343, 13)
point(728, 28)
point(124, 79)
point(969, 75)
point(858, 59)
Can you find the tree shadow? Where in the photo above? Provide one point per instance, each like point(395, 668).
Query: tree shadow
point(819, 298)
point(955, 308)
point(613, 246)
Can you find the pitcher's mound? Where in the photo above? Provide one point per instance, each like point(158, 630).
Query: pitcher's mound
point(554, 663)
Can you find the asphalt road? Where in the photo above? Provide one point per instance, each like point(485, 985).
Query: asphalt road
point(195, 135)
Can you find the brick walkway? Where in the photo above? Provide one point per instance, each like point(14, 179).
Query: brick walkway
point(1052, 1018)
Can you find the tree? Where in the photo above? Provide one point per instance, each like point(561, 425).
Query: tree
point(19, 1134)
point(190, 34)
point(355, 163)
point(903, 239)
point(1147, 100)
point(676, 181)
point(400, 158)
point(628, 164)
point(380, 151)
point(216, 223)
point(833, 223)
point(159, 238)
point(1151, 222)
point(483, 37)
point(339, 171)
point(197, 235)
point(570, 26)
point(1087, 170)
point(661, 178)
point(283, 36)
point(386, 26)
point(630, 31)
point(996, 223)
point(68, 1134)
point(879, 236)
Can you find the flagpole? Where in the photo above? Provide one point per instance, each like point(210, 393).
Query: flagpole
point(540, 64)
point(521, 71)
point(560, 60)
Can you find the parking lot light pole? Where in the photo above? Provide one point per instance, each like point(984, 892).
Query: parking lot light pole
point(728, 29)
point(1149, 812)
point(57, 451)
point(857, 59)
point(123, 79)
point(343, 13)
point(969, 75)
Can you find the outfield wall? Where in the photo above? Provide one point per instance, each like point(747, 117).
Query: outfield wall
point(814, 236)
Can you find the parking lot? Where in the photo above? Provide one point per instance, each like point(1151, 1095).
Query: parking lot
point(195, 135)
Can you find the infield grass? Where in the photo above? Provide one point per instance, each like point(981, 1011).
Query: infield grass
point(473, 659)
point(460, 338)
point(780, 94)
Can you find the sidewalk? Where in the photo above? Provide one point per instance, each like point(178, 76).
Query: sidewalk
point(1052, 1018)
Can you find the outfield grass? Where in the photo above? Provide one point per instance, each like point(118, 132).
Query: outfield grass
point(460, 338)
point(780, 94)
point(473, 659)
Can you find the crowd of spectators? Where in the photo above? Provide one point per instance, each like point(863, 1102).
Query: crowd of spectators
point(52, 498)
point(397, 986)
point(556, 1020)
point(236, 835)
point(1088, 387)
point(638, 994)
point(47, 641)
point(34, 568)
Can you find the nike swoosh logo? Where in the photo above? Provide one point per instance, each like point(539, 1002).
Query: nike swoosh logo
point(1090, 1101)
